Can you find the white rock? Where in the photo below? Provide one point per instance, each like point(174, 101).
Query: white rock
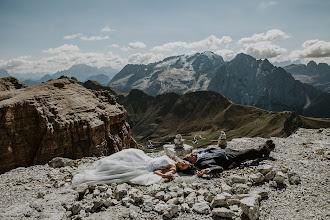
point(264, 169)
point(121, 191)
point(231, 202)
point(272, 184)
point(279, 177)
point(161, 207)
point(147, 205)
point(102, 188)
point(167, 197)
point(223, 212)
point(226, 188)
point(219, 200)
point(126, 201)
point(294, 178)
point(203, 192)
point(173, 194)
point(237, 179)
point(187, 191)
point(133, 214)
point(180, 192)
point(190, 199)
point(240, 188)
point(257, 177)
point(250, 207)
point(201, 208)
point(97, 203)
point(173, 201)
point(160, 195)
point(181, 199)
point(270, 175)
point(261, 192)
point(185, 207)
point(171, 210)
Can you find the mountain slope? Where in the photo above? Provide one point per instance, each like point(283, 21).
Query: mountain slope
point(205, 112)
point(174, 74)
point(314, 74)
point(244, 80)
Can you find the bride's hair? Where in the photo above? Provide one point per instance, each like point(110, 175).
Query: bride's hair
point(190, 170)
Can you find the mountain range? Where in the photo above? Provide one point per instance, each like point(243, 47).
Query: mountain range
point(205, 113)
point(314, 74)
point(244, 80)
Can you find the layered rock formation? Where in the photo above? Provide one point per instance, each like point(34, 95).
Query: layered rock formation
point(59, 118)
point(10, 83)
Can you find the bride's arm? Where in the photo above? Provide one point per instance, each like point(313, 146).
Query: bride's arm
point(169, 173)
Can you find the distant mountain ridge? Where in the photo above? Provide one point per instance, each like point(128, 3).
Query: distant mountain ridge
point(245, 80)
point(160, 118)
point(317, 75)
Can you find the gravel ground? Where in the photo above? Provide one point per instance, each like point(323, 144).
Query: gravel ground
point(43, 192)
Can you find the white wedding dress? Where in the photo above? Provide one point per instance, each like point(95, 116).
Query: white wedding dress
point(128, 165)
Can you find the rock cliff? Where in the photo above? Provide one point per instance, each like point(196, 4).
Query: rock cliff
point(59, 118)
point(10, 83)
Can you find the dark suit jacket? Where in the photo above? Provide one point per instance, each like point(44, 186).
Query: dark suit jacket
point(216, 160)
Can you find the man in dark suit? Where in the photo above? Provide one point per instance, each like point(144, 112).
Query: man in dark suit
point(217, 160)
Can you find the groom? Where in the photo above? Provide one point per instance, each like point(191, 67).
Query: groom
point(217, 160)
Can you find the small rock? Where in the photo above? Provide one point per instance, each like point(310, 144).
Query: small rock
point(237, 179)
point(173, 201)
point(133, 214)
point(161, 207)
point(97, 204)
point(185, 207)
point(96, 193)
point(180, 192)
point(264, 169)
point(279, 177)
point(171, 210)
point(41, 195)
point(76, 207)
point(203, 192)
point(270, 175)
point(240, 188)
point(167, 197)
point(250, 207)
point(195, 185)
point(226, 188)
point(126, 201)
point(201, 208)
point(173, 194)
point(257, 177)
point(219, 200)
point(223, 212)
point(58, 162)
point(294, 178)
point(147, 205)
point(160, 195)
point(102, 188)
point(121, 191)
point(107, 202)
point(190, 199)
point(181, 199)
point(231, 202)
point(272, 184)
point(187, 191)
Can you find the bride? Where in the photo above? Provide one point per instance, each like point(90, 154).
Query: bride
point(130, 165)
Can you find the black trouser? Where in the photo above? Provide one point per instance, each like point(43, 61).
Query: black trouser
point(241, 156)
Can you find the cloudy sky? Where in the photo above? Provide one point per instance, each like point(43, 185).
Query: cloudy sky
point(49, 36)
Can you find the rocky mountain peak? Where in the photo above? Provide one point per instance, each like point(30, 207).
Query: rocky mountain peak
point(10, 83)
point(312, 64)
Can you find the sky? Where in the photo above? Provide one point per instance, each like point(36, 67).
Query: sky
point(46, 36)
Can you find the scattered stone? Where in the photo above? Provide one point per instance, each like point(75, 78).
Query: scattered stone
point(223, 212)
point(133, 214)
point(161, 207)
point(250, 207)
point(187, 191)
point(102, 188)
point(219, 200)
point(58, 162)
point(240, 188)
point(121, 191)
point(279, 177)
point(185, 207)
point(226, 188)
point(264, 169)
point(167, 197)
point(190, 199)
point(237, 179)
point(201, 208)
point(76, 207)
point(261, 192)
point(272, 184)
point(160, 195)
point(40, 195)
point(147, 205)
point(173, 201)
point(270, 175)
point(97, 203)
point(231, 202)
point(257, 177)
point(171, 210)
point(180, 192)
point(294, 178)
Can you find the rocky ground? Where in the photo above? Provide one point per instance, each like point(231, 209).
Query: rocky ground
point(293, 184)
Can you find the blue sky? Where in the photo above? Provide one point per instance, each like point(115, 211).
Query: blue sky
point(49, 36)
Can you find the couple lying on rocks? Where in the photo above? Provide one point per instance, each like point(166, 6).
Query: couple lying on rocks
point(134, 166)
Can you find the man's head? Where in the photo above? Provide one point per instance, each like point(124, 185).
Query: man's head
point(192, 157)
point(183, 165)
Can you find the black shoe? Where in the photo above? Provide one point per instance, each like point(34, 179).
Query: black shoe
point(268, 147)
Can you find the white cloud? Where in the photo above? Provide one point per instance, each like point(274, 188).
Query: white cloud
point(144, 58)
point(267, 4)
point(93, 38)
point(226, 54)
point(72, 36)
point(107, 29)
point(270, 35)
point(114, 45)
point(211, 42)
point(136, 45)
point(313, 49)
point(262, 50)
point(84, 37)
point(66, 48)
